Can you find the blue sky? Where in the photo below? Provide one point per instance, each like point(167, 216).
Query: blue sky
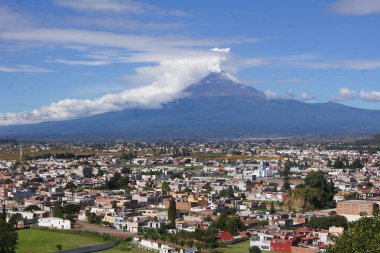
point(65, 59)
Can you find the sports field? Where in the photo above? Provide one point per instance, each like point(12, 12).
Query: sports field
point(43, 241)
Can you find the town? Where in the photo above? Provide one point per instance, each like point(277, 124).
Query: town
point(272, 195)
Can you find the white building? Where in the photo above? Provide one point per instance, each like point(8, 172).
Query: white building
point(53, 222)
point(264, 172)
point(262, 241)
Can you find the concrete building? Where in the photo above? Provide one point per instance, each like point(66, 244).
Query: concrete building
point(52, 222)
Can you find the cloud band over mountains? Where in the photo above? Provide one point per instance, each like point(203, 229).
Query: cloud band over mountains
point(169, 77)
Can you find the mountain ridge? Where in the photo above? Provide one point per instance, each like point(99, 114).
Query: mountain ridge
point(236, 111)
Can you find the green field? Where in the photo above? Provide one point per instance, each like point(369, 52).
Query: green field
point(43, 241)
point(123, 248)
point(241, 247)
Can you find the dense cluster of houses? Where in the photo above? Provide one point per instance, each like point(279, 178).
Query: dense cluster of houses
point(245, 183)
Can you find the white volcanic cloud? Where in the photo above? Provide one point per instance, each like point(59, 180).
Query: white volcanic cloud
point(290, 93)
point(356, 7)
point(344, 94)
point(270, 94)
point(305, 96)
point(370, 96)
point(170, 77)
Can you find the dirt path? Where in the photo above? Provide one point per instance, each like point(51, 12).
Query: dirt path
point(81, 225)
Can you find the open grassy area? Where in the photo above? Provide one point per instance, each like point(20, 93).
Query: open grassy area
point(240, 247)
point(43, 241)
point(123, 248)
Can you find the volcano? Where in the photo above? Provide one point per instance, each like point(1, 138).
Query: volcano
point(218, 106)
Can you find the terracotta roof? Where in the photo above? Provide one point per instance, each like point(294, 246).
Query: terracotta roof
point(225, 236)
point(303, 230)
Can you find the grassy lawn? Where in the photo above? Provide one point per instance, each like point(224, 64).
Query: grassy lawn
point(123, 248)
point(240, 247)
point(41, 241)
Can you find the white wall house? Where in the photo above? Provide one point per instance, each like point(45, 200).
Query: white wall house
point(53, 222)
point(262, 241)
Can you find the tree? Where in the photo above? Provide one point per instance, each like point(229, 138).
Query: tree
point(70, 209)
point(254, 249)
point(316, 180)
point(315, 194)
point(326, 222)
point(233, 225)
point(3, 213)
point(58, 211)
point(221, 222)
point(207, 219)
point(70, 185)
point(31, 208)
point(362, 235)
point(8, 238)
point(357, 164)
point(128, 156)
point(227, 192)
point(15, 219)
point(94, 219)
point(165, 188)
point(172, 212)
point(338, 163)
point(186, 190)
point(286, 175)
point(207, 187)
point(262, 223)
point(272, 209)
point(117, 181)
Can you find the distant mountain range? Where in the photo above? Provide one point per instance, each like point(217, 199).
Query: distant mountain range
point(218, 106)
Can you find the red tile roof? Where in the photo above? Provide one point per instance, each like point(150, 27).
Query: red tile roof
point(225, 236)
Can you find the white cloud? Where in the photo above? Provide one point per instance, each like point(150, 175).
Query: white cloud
point(290, 93)
point(270, 94)
point(370, 96)
point(23, 69)
point(222, 50)
point(118, 6)
point(83, 63)
point(344, 94)
point(137, 43)
point(306, 96)
point(356, 7)
point(123, 23)
point(291, 80)
point(361, 64)
point(308, 61)
point(170, 77)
